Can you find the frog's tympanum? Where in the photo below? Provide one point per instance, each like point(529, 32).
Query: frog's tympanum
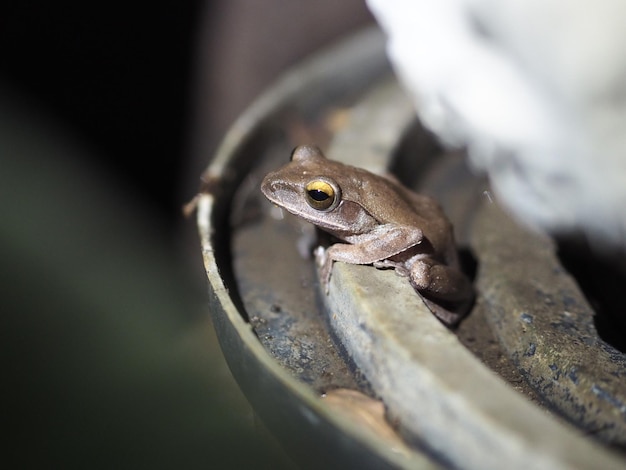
point(382, 222)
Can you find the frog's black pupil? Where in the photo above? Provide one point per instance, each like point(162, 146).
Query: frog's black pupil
point(318, 195)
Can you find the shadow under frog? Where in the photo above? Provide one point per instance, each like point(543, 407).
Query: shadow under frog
point(382, 222)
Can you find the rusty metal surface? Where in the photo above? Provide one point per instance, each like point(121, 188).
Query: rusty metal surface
point(546, 326)
point(278, 287)
point(305, 103)
point(284, 345)
point(428, 380)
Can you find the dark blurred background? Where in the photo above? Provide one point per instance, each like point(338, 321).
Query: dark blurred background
point(108, 114)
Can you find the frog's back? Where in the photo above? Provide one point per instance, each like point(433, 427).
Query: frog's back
point(390, 202)
point(431, 219)
point(397, 203)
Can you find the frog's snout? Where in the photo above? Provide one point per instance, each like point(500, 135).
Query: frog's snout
point(267, 187)
point(273, 188)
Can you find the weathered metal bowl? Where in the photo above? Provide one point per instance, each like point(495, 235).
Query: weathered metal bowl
point(372, 380)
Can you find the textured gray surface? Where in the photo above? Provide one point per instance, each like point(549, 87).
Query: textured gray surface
point(437, 393)
point(546, 326)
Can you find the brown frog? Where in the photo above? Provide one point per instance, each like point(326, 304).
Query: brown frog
point(382, 222)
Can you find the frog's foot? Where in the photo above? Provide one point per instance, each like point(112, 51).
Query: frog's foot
point(446, 291)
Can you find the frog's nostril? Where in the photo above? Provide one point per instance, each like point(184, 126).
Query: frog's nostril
point(277, 186)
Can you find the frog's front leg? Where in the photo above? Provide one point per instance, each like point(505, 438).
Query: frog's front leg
point(378, 244)
point(447, 291)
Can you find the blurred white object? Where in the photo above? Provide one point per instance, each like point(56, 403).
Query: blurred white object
point(535, 89)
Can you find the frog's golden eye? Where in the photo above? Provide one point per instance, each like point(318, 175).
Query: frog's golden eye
point(322, 195)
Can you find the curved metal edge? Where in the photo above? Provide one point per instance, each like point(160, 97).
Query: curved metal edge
point(384, 115)
point(482, 427)
point(545, 324)
point(285, 405)
point(303, 85)
point(446, 397)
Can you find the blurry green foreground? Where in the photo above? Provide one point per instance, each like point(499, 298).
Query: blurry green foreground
point(109, 359)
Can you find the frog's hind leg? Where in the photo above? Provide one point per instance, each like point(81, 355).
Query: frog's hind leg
point(447, 292)
point(439, 281)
